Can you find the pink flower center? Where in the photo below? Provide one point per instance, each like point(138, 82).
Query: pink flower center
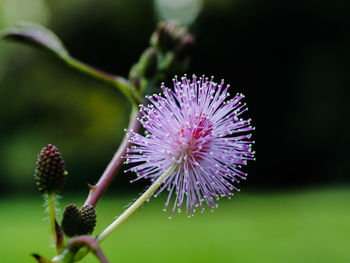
point(194, 140)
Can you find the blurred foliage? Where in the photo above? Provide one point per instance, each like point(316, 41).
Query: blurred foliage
point(81, 116)
point(290, 58)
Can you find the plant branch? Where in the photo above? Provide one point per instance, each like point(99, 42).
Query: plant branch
point(128, 212)
point(117, 81)
point(109, 174)
point(86, 241)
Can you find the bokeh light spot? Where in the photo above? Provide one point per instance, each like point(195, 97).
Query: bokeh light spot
point(183, 11)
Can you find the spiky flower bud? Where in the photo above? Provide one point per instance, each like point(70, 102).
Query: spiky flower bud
point(88, 219)
point(50, 172)
point(71, 220)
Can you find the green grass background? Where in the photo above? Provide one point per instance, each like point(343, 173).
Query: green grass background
point(304, 226)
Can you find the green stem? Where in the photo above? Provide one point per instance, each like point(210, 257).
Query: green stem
point(117, 81)
point(52, 214)
point(128, 212)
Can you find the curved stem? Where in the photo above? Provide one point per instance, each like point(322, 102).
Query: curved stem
point(117, 81)
point(109, 174)
point(128, 212)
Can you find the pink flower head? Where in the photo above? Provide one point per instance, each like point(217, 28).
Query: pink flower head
point(197, 128)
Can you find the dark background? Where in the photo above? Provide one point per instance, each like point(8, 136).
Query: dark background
point(290, 59)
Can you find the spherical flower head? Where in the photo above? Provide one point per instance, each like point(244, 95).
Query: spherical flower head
point(196, 128)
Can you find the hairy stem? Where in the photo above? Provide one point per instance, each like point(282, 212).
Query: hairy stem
point(128, 212)
point(109, 174)
point(52, 215)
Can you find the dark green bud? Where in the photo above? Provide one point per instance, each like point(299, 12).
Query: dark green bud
point(148, 63)
point(50, 172)
point(71, 220)
point(88, 219)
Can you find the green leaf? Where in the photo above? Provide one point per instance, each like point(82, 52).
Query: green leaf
point(37, 35)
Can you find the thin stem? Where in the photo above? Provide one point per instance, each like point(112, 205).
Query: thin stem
point(99, 254)
point(109, 174)
point(128, 212)
point(52, 215)
point(117, 81)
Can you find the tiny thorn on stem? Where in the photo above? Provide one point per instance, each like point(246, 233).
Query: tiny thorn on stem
point(92, 188)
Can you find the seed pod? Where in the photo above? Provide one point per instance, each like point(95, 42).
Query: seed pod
point(71, 220)
point(88, 219)
point(50, 173)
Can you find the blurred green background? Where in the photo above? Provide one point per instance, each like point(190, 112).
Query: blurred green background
point(290, 59)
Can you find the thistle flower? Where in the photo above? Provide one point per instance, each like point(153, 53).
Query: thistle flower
point(200, 131)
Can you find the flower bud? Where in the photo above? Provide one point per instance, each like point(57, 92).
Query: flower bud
point(88, 219)
point(165, 37)
point(50, 173)
point(71, 220)
point(148, 63)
